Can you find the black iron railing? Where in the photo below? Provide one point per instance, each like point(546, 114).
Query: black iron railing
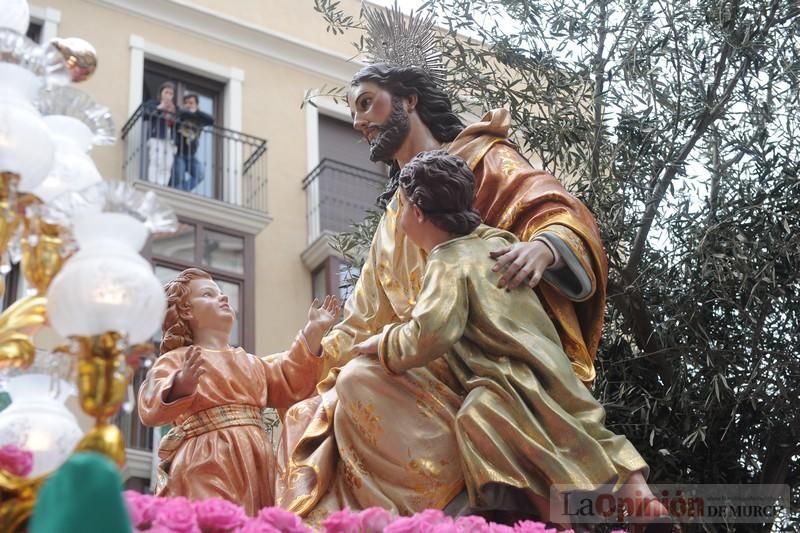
point(176, 151)
point(338, 195)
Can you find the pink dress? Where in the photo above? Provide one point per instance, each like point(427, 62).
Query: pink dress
point(222, 449)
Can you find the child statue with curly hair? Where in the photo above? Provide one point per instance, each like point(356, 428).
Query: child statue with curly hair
point(213, 394)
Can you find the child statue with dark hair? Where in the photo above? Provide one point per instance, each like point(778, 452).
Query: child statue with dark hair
point(528, 431)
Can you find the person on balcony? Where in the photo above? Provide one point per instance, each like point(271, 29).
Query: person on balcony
point(159, 117)
point(191, 122)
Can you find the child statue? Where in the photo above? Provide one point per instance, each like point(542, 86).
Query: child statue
point(213, 394)
point(527, 425)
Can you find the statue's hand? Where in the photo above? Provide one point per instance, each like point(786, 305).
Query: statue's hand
point(188, 377)
point(323, 315)
point(369, 346)
point(522, 262)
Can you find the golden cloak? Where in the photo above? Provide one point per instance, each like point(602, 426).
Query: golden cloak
point(372, 439)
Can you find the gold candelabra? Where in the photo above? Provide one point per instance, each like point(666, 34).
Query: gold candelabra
point(105, 362)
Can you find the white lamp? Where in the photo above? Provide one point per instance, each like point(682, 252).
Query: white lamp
point(76, 123)
point(37, 419)
point(15, 15)
point(107, 285)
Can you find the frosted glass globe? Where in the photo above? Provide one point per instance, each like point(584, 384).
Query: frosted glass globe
point(38, 421)
point(107, 285)
point(15, 14)
point(72, 168)
point(26, 147)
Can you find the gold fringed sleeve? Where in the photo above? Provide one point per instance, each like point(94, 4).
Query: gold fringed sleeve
point(437, 322)
point(365, 311)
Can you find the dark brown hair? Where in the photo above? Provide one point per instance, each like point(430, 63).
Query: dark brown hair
point(165, 85)
point(442, 186)
point(433, 105)
point(188, 96)
point(177, 332)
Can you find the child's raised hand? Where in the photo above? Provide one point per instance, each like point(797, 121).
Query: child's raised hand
point(323, 315)
point(188, 377)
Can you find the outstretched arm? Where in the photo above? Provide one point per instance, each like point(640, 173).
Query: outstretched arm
point(437, 322)
point(291, 376)
point(159, 403)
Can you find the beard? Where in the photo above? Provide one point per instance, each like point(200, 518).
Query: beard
point(391, 134)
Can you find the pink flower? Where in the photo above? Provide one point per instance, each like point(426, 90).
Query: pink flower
point(16, 460)
point(499, 528)
point(470, 524)
point(374, 520)
point(428, 521)
point(343, 521)
point(282, 520)
point(255, 525)
point(135, 507)
point(178, 515)
point(142, 508)
point(215, 514)
point(528, 526)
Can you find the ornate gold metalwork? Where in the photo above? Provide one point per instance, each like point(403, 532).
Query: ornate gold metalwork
point(105, 367)
point(106, 439)
point(9, 217)
point(17, 497)
point(42, 251)
point(17, 324)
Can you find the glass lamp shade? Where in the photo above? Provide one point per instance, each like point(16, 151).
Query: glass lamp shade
point(38, 421)
point(26, 147)
point(72, 168)
point(107, 285)
point(15, 15)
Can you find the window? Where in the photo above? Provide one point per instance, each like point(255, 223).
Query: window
point(226, 255)
point(333, 277)
point(210, 101)
point(34, 32)
point(340, 142)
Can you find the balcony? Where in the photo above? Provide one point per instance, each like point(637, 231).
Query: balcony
point(221, 173)
point(339, 195)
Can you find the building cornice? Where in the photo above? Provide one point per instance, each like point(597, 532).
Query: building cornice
point(318, 251)
point(208, 210)
point(241, 34)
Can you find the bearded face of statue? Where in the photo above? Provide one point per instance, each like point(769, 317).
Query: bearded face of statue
point(381, 118)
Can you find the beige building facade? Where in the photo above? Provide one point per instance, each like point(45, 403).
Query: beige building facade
point(278, 178)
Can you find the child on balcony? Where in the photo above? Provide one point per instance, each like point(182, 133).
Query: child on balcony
point(213, 394)
point(528, 429)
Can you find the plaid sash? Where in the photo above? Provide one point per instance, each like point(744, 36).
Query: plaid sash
point(211, 419)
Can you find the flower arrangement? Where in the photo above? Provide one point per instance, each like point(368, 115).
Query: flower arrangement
point(179, 515)
point(15, 460)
